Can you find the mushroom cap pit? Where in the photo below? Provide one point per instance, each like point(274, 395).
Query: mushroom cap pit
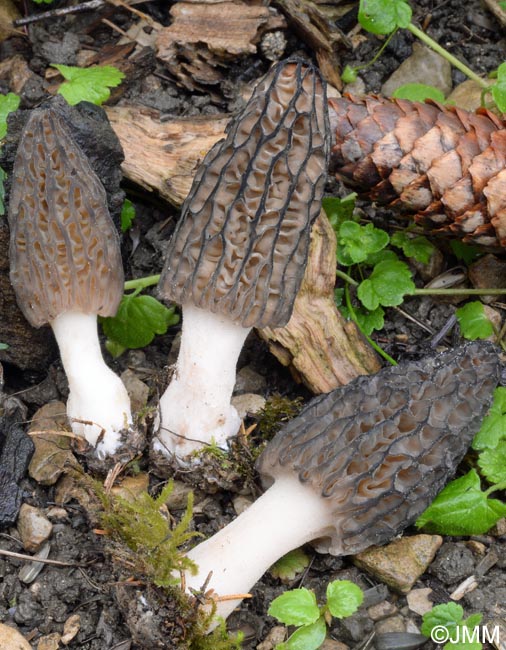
point(379, 449)
point(64, 251)
point(241, 246)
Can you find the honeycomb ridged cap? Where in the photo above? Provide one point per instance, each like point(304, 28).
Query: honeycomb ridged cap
point(241, 246)
point(379, 449)
point(64, 248)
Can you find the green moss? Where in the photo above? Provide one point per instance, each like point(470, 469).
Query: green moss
point(144, 525)
point(276, 412)
point(146, 540)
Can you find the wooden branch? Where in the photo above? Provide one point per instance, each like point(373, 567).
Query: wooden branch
point(325, 349)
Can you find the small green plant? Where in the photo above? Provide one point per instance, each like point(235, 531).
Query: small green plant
point(127, 215)
point(40, 2)
point(290, 565)
point(474, 323)
point(88, 84)
point(3, 346)
point(138, 319)
point(147, 542)
point(277, 410)
point(446, 624)
point(144, 526)
point(463, 507)
point(369, 266)
point(385, 17)
point(299, 607)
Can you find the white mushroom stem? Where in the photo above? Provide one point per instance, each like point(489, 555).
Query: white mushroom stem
point(286, 516)
point(98, 406)
point(195, 408)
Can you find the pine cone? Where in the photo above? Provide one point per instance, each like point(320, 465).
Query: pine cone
point(444, 165)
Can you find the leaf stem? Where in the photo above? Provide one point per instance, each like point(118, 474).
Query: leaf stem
point(347, 278)
point(141, 283)
point(459, 292)
point(372, 343)
point(495, 488)
point(444, 53)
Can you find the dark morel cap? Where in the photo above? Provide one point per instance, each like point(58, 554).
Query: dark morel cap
point(64, 249)
point(241, 246)
point(379, 449)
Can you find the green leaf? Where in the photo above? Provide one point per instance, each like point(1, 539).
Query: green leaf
point(8, 104)
point(462, 509)
point(356, 242)
point(473, 321)
point(343, 598)
point(383, 16)
point(419, 93)
point(493, 427)
point(447, 615)
point(40, 2)
point(339, 210)
point(349, 74)
point(291, 564)
point(3, 176)
point(492, 463)
point(137, 321)
point(381, 256)
point(465, 252)
point(368, 321)
point(309, 637)
point(3, 346)
point(387, 285)
point(418, 247)
point(295, 607)
point(127, 215)
point(498, 90)
point(88, 84)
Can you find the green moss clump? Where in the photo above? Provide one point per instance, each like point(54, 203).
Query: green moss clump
point(147, 542)
point(144, 526)
point(277, 410)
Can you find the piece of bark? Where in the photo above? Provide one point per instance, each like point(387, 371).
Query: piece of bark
point(326, 350)
point(196, 43)
point(497, 9)
point(163, 156)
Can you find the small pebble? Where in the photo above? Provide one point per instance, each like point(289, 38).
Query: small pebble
point(419, 601)
point(34, 528)
point(382, 610)
point(275, 636)
point(49, 642)
point(390, 624)
point(11, 639)
point(400, 563)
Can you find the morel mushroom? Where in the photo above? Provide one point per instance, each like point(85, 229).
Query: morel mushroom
point(443, 164)
point(66, 268)
point(356, 466)
point(237, 257)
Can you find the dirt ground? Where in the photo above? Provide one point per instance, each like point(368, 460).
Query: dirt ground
point(88, 587)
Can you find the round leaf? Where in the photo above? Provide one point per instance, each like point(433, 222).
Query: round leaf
point(343, 598)
point(295, 607)
point(137, 321)
point(309, 637)
point(419, 93)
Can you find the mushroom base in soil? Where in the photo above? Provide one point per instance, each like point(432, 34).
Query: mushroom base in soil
point(98, 405)
point(195, 408)
point(356, 467)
